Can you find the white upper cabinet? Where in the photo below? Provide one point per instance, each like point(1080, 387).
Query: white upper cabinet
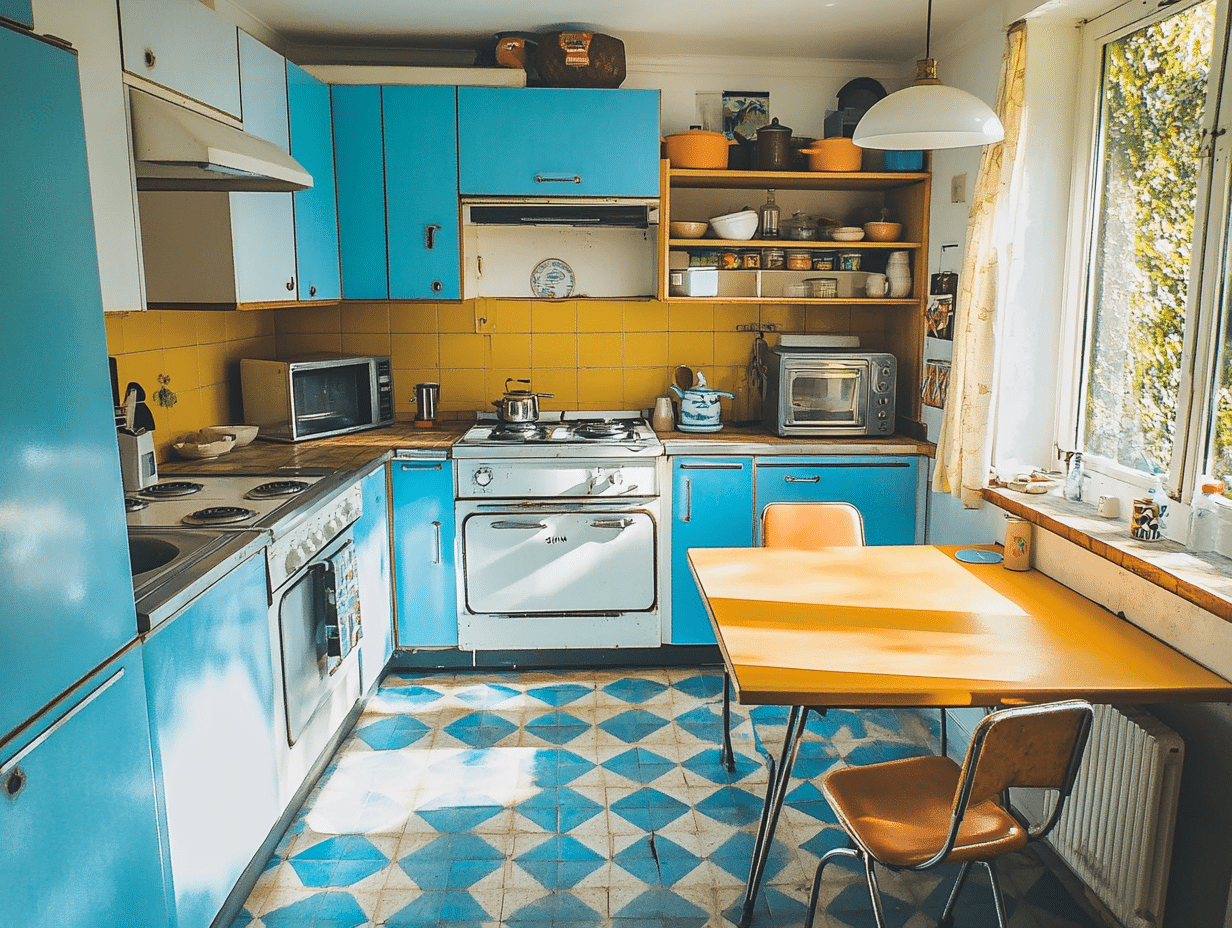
point(184, 46)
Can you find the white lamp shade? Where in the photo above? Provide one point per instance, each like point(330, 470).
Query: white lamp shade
point(928, 116)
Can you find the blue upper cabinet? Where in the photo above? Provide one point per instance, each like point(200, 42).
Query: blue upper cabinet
point(360, 166)
point(20, 11)
point(421, 192)
point(558, 142)
point(65, 582)
point(316, 209)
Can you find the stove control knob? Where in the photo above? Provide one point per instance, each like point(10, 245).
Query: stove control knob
point(482, 476)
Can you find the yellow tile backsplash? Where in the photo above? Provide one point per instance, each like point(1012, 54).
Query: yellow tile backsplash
point(593, 354)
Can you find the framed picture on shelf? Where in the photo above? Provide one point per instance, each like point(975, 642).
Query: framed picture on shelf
point(936, 386)
point(939, 317)
point(745, 111)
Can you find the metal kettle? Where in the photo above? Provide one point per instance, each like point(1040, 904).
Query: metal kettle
point(519, 405)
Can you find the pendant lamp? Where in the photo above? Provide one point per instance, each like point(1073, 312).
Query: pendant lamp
point(928, 114)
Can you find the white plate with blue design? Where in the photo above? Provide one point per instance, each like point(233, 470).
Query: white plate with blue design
point(552, 279)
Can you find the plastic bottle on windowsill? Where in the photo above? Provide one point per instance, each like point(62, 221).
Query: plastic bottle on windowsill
point(1160, 498)
point(1204, 516)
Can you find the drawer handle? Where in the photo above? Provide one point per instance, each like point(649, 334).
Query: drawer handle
point(688, 501)
point(436, 528)
point(558, 178)
point(504, 523)
point(715, 466)
point(621, 524)
point(430, 231)
point(816, 478)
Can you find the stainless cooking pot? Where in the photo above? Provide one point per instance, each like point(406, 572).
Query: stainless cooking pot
point(519, 405)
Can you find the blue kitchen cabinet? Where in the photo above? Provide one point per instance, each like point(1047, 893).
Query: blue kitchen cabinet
point(210, 690)
point(712, 507)
point(564, 142)
point(65, 582)
point(312, 144)
point(421, 192)
point(359, 163)
point(883, 488)
point(375, 586)
point(423, 530)
point(79, 823)
point(316, 209)
point(20, 11)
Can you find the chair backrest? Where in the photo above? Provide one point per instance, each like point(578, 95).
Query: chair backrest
point(1032, 747)
point(811, 525)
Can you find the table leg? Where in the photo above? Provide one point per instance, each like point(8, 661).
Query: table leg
point(776, 792)
point(728, 758)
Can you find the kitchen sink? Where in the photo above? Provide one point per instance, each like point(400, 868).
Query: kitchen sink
point(147, 554)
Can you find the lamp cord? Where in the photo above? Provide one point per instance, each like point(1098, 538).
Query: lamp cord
point(928, 32)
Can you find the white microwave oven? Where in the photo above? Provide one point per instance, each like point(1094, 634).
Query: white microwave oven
point(827, 391)
point(317, 395)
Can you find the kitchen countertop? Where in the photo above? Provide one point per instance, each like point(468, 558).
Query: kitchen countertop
point(360, 450)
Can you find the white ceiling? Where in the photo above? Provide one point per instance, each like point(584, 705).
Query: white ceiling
point(871, 30)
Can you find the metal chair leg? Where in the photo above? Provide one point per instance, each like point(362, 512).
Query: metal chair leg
point(728, 758)
point(816, 893)
point(997, 899)
point(874, 891)
point(944, 741)
point(947, 914)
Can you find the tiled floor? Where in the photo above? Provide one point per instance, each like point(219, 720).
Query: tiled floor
point(593, 799)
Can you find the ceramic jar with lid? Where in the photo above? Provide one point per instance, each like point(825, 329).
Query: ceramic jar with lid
point(898, 272)
point(773, 147)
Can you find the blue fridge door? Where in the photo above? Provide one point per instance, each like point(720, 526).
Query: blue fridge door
point(66, 595)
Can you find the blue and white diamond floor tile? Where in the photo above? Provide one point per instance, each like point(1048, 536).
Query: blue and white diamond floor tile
point(545, 800)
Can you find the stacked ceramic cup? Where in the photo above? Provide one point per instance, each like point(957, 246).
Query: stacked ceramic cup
point(898, 270)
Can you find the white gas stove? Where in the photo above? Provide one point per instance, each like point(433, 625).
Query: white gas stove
point(600, 434)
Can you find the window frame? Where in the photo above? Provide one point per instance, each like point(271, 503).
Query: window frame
point(1208, 289)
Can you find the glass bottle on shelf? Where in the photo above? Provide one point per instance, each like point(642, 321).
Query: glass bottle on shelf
point(768, 217)
point(1204, 516)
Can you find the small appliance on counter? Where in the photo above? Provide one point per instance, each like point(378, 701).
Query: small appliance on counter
point(134, 432)
point(811, 389)
point(314, 396)
point(427, 398)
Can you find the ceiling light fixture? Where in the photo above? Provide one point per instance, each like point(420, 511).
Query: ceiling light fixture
point(928, 114)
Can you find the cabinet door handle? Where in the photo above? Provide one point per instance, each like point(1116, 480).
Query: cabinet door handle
point(504, 523)
point(408, 467)
point(436, 529)
point(312, 290)
point(430, 231)
point(291, 284)
point(816, 478)
point(688, 501)
point(558, 178)
point(712, 466)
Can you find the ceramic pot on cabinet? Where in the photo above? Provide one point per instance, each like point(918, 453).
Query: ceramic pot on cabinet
point(699, 409)
point(898, 272)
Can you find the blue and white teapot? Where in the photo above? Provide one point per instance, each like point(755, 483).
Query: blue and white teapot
point(699, 407)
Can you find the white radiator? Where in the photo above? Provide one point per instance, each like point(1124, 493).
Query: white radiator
point(1117, 827)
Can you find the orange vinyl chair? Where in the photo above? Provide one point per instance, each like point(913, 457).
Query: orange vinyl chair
point(805, 526)
point(920, 812)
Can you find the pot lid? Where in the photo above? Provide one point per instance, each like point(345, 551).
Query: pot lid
point(774, 129)
point(699, 132)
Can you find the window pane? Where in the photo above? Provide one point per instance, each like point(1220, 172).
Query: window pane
point(1153, 96)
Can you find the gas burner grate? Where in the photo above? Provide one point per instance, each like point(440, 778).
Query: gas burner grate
point(170, 489)
point(276, 488)
point(133, 504)
point(604, 428)
point(518, 432)
point(219, 515)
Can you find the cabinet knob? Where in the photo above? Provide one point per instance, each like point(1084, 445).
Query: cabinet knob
point(437, 286)
point(312, 290)
point(150, 59)
point(14, 783)
point(291, 284)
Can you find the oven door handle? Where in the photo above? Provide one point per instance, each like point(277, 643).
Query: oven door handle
point(788, 478)
point(505, 523)
point(620, 524)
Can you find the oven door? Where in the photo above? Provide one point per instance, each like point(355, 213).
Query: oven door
point(590, 561)
point(319, 625)
point(825, 396)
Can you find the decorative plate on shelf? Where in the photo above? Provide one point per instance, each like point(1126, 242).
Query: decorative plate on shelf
point(551, 279)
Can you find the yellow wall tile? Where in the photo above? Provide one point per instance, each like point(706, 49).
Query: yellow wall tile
point(313, 320)
point(731, 348)
point(729, 315)
point(213, 363)
point(827, 320)
point(690, 317)
point(601, 388)
point(511, 350)
point(562, 384)
point(260, 347)
point(184, 418)
point(463, 390)
point(785, 318)
point(368, 317)
point(415, 351)
point(551, 316)
point(179, 328)
point(308, 343)
point(508, 316)
point(455, 318)
point(463, 351)
point(642, 385)
point(413, 317)
point(404, 389)
point(249, 324)
point(143, 331)
point(215, 407)
point(601, 316)
point(211, 328)
point(114, 325)
point(646, 349)
point(496, 377)
point(696, 349)
point(366, 342)
point(553, 350)
point(645, 316)
point(601, 349)
point(142, 367)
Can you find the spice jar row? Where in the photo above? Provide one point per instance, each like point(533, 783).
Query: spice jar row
point(776, 259)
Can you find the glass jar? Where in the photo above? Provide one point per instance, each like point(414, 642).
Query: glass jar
point(823, 260)
point(768, 217)
point(824, 288)
point(773, 259)
point(799, 260)
point(799, 228)
point(750, 260)
point(729, 260)
point(849, 261)
point(703, 259)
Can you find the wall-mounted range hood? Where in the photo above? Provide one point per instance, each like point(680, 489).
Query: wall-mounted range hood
point(179, 149)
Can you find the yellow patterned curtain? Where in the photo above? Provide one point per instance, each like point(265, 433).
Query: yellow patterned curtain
point(964, 447)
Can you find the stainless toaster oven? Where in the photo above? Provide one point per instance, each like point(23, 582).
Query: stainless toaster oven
point(827, 391)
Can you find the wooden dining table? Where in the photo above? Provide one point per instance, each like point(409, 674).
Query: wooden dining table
point(915, 626)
